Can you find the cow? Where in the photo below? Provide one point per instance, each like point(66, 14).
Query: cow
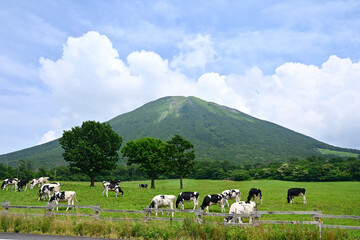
point(143, 185)
point(255, 193)
point(48, 189)
point(163, 201)
point(231, 194)
point(39, 181)
point(187, 196)
point(112, 187)
point(63, 196)
point(240, 208)
point(296, 192)
point(212, 200)
point(22, 183)
point(9, 181)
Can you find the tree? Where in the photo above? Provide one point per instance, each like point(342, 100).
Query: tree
point(182, 157)
point(149, 154)
point(91, 148)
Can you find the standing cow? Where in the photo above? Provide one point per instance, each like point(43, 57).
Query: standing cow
point(63, 196)
point(231, 194)
point(296, 192)
point(255, 193)
point(48, 189)
point(9, 181)
point(240, 208)
point(212, 200)
point(22, 183)
point(163, 201)
point(186, 197)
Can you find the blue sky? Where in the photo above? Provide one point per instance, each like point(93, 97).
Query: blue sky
point(294, 63)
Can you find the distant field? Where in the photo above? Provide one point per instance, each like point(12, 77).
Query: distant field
point(337, 153)
point(341, 198)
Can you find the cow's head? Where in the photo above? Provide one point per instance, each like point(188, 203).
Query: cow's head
point(228, 219)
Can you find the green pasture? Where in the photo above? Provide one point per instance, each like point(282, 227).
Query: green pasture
point(337, 198)
point(338, 153)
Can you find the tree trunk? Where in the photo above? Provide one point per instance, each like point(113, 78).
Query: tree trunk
point(92, 181)
point(181, 184)
point(153, 182)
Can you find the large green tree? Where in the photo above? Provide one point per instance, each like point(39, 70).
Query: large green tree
point(182, 157)
point(149, 154)
point(91, 148)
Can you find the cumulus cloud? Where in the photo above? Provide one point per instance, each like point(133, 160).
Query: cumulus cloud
point(90, 81)
point(195, 51)
point(47, 137)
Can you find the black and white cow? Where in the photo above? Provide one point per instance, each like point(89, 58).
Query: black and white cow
point(296, 192)
point(231, 194)
point(9, 181)
point(63, 196)
point(163, 201)
point(39, 181)
point(186, 197)
point(22, 183)
point(48, 189)
point(212, 200)
point(255, 193)
point(240, 208)
point(143, 185)
point(112, 187)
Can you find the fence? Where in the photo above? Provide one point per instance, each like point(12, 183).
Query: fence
point(200, 215)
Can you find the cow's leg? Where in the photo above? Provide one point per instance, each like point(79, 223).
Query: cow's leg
point(182, 205)
point(304, 199)
point(207, 209)
point(26, 187)
point(222, 206)
point(261, 200)
point(250, 219)
point(226, 201)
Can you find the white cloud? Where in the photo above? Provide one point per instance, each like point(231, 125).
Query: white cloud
point(47, 137)
point(195, 51)
point(91, 82)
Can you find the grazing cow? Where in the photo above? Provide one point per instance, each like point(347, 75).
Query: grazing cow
point(22, 183)
point(48, 189)
point(63, 196)
point(187, 196)
point(255, 193)
point(112, 187)
point(240, 208)
point(143, 185)
point(231, 194)
point(163, 201)
point(212, 200)
point(39, 181)
point(296, 192)
point(9, 181)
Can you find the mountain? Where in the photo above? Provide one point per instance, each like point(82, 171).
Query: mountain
point(217, 132)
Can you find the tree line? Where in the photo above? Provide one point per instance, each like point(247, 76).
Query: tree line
point(310, 169)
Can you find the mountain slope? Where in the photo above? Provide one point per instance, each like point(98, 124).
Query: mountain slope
point(217, 132)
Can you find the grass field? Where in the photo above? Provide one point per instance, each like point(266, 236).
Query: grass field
point(339, 198)
point(338, 153)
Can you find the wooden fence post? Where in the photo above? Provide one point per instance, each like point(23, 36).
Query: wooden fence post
point(199, 215)
point(317, 219)
point(6, 206)
point(96, 209)
point(49, 211)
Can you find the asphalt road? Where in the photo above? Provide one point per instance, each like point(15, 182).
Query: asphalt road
point(12, 236)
